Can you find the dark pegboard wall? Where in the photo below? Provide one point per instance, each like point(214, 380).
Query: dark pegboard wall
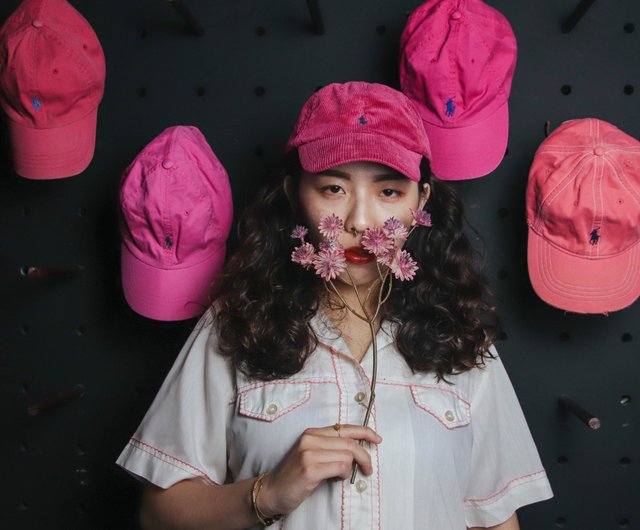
point(242, 84)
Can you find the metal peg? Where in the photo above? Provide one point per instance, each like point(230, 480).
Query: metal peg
point(185, 13)
point(36, 272)
point(585, 417)
point(547, 128)
point(316, 17)
point(60, 399)
point(576, 15)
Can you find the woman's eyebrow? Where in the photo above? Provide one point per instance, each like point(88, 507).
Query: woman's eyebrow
point(378, 178)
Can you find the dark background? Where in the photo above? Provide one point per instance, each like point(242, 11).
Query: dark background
point(242, 84)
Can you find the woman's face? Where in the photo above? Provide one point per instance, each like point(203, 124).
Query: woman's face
point(364, 195)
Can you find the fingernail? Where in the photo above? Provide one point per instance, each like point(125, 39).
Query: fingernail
point(379, 438)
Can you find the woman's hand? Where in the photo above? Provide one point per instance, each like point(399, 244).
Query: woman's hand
point(320, 454)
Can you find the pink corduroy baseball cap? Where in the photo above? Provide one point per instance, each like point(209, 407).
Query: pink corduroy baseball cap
point(358, 121)
point(457, 63)
point(52, 74)
point(176, 213)
point(583, 212)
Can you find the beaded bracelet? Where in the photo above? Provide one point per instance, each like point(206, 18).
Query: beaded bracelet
point(255, 491)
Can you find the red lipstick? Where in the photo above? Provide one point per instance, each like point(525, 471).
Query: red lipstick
point(358, 255)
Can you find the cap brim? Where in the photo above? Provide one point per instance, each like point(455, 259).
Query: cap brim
point(53, 153)
point(583, 285)
point(335, 150)
point(169, 294)
point(462, 153)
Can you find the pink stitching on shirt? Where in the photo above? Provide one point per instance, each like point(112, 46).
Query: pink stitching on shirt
point(243, 390)
point(451, 425)
point(269, 418)
point(170, 456)
point(503, 490)
point(435, 387)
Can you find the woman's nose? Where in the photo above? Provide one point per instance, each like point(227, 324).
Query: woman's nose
point(358, 218)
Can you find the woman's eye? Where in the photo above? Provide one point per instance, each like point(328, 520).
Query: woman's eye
point(333, 189)
point(388, 192)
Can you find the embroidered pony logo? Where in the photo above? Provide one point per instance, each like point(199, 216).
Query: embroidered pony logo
point(36, 103)
point(595, 236)
point(450, 107)
point(362, 120)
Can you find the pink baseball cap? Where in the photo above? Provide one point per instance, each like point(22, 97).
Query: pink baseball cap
point(360, 121)
point(583, 212)
point(176, 211)
point(457, 63)
point(52, 74)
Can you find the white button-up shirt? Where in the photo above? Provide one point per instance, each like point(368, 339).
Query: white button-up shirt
point(452, 456)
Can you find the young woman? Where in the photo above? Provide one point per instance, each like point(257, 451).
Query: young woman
point(260, 421)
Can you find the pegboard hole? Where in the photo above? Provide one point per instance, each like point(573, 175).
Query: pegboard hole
point(503, 212)
point(381, 30)
point(142, 33)
point(24, 329)
point(24, 270)
point(625, 461)
point(260, 31)
point(82, 212)
point(561, 522)
point(200, 91)
point(26, 211)
point(23, 506)
point(260, 91)
point(563, 336)
point(258, 151)
point(629, 27)
point(628, 89)
point(627, 337)
point(80, 331)
point(141, 91)
point(503, 336)
point(80, 450)
point(624, 523)
point(24, 388)
point(81, 508)
point(566, 89)
point(625, 400)
point(562, 460)
point(502, 274)
point(24, 447)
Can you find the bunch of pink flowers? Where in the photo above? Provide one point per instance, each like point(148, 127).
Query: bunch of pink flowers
point(329, 260)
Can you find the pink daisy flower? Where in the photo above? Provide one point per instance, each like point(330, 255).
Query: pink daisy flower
point(376, 241)
point(299, 232)
point(403, 266)
point(303, 255)
point(387, 258)
point(331, 226)
point(395, 229)
point(421, 217)
point(329, 263)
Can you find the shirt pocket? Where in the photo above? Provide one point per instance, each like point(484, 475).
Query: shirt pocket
point(450, 409)
point(272, 401)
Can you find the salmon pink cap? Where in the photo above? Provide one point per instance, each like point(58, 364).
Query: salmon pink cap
point(52, 74)
point(176, 211)
point(583, 212)
point(457, 63)
point(360, 121)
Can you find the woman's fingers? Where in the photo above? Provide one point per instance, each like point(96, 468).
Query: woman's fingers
point(356, 432)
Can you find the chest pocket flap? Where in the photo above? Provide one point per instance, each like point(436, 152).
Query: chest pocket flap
point(273, 400)
point(446, 406)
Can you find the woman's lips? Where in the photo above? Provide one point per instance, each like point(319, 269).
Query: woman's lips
point(358, 255)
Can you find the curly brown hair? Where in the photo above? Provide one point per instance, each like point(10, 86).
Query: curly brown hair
point(266, 302)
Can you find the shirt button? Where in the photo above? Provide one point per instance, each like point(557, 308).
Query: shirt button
point(456, 15)
point(37, 23)
point(272, 409)
point(598, 151)
point(167, 164)
point(360, 396)
point(449, 415)
point(361, 486)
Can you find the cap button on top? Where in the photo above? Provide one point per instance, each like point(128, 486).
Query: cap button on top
point(456, 15)
point(167, 164)
point(598, 151)
point(37, 23)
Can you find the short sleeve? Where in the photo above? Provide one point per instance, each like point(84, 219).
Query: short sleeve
point(183, 434)
point(506, 472)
